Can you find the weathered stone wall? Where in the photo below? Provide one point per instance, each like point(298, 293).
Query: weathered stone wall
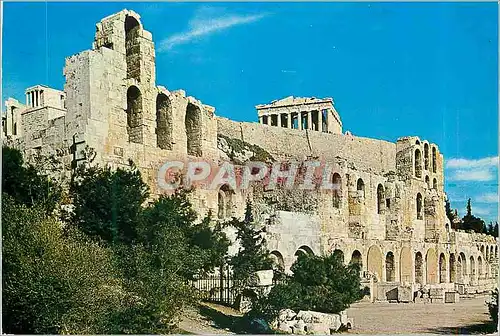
point(364, 153)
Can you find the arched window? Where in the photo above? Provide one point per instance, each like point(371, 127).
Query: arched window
point(356, 257)
point(427, 181)
point(337, 190)
point(434, 164)
point(193, 130)
point(419, 207)
point(452, 268)
point(380, 199)
point(163, 122)
point(434, 183)
point(472, 268)
point(480, 267)
point(134, 114)
point(132, 50)
point(426, 156)
point(339, 254)
point(418, 163)
point(225, 202)
point(304, 250)
point(390, 273)
point(278, 260)
point(442, 268)
point(419, 269)
point(360, 187)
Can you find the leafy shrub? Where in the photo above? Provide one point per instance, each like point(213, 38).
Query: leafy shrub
point(53, 281)
point(493, 306)
point(25, 184)
point(322, 284)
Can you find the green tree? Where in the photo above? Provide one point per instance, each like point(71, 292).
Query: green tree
point(494, 231)
point(321, 284)
point(253, 255)
point(493, 306)
point(107, 204)
point(171, 233)
point(54, 281)
point(26, 184)
point(470, 222)
point(449, 213)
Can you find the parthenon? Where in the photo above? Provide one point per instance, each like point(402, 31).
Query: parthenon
point(301, 113)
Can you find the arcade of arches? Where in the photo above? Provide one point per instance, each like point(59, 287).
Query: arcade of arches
point(405, 265)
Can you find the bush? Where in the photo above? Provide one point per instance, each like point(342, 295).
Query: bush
point(320, 284)
point(493, 306)
point(25, 184)
point(53, 282)
point(107, 204)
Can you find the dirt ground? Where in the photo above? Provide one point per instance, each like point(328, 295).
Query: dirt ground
point(469, 316)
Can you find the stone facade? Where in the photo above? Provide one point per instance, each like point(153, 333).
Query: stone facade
point(388, 214)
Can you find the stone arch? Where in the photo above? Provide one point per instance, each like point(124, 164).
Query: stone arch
point(434, 159)
point(418, 163)
point(480, 267)
point(452, 268)
point(427, 182)
point(462, 266)
point(380, 199)
point(419, 268)
point(134, 114)
point(472, 267)
point(426, 156)
point(225, 202)
point(193, 129)
point(419, 206)
point(442, 268)
point(360, 187)
point(434, 183)
point(390, 274)
point(482, 249)
point(374, 261)
point(431, 266)
point(337, 190)
point(304, 249)
point(132, 47)
point(405, 267)
point(278, 259)
point(339, 253)
point(356, 258)
point(163, 121)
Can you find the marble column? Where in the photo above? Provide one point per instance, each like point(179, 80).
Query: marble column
point(299, 119)
point(289, 120)
point(309, 120)
point(320, 121)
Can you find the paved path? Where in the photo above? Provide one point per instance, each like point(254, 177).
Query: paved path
point(467, 316)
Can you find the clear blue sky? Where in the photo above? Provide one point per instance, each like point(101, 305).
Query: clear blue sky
point(393, 69)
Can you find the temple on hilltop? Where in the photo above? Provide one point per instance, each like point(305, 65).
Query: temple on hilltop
point(388, 215)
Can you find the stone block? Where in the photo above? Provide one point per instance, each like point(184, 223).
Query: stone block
point(405, 294)
point(261, 278)
point(451, 297)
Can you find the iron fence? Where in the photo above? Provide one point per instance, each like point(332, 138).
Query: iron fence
point(219, 288)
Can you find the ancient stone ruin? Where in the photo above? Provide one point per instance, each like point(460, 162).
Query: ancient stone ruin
point(388, 214)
